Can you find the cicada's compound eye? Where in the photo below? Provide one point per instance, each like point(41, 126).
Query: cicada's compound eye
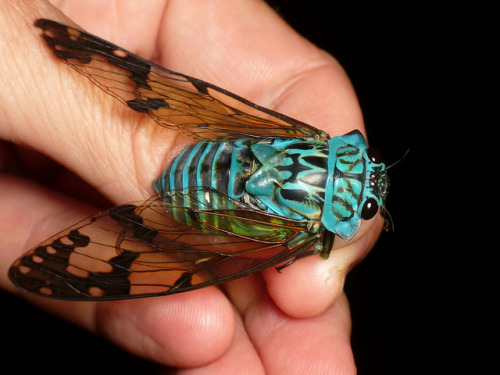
point(374, 155)
point(370, 209)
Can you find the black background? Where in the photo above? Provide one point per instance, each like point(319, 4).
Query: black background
point(424, 300)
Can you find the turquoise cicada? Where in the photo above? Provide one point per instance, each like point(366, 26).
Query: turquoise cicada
point(259, 189)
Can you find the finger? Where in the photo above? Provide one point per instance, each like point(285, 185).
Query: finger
point(190, 329)
point(121, 22)
point(320, 345)
point(241, 358)
point(311, 285)
point(184, 330)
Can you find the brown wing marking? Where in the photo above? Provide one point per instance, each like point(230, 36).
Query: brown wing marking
point(173, 100)
point(133, 251)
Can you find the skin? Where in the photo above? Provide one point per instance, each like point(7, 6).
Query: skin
point(296, 321)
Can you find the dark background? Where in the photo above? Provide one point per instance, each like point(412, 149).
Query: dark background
point(424, 300)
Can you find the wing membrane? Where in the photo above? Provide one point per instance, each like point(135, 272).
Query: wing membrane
point(139, 250)
point(173, 100)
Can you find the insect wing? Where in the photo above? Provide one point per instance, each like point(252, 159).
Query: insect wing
point(133, 251)
point(173, 100)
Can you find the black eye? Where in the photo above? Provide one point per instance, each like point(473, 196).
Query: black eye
point(370, 209)
point(374, 155)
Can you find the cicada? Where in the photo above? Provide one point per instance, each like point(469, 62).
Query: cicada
point(258, 189)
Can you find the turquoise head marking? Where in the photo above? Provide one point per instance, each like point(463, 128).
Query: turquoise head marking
point(356, 187)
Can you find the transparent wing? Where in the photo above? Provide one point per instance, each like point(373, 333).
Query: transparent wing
point(173, 100)
point(140, 250)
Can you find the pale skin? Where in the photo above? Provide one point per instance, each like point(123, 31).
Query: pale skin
point(292, 322)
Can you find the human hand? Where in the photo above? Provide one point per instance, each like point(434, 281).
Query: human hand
point(299, 319)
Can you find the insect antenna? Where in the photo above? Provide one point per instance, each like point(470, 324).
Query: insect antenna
point(399, 160)
point(389, 222)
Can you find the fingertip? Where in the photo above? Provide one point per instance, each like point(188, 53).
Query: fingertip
point(306, 288)
point(311, 285)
